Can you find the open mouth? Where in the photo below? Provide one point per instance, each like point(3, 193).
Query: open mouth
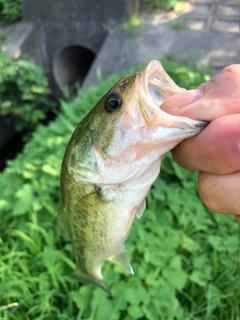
point(155, 86)
point(157, 83)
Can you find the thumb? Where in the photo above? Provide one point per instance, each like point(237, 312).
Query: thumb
point(217, 97)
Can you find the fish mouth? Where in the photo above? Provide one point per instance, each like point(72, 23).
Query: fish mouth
point(154, 85)
point(157, 83)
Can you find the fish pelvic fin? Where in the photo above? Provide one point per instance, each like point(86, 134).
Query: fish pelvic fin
point(141, 209)
point(87, 279)
point(62, 225)
point(121, 258)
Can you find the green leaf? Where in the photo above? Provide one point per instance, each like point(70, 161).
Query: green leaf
point(216, 242)
point(133, 298)
point(135, 311)
point(174, 274)
point(232, 243)
point(198, 277)
point(24, 199)
point(50, 170)
point(150, 312)
point(3, 203)
point(81, 296)
point(40, 90)
point(176, 277)
point(188, 243)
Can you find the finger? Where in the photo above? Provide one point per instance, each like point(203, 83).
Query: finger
point(216, 149)
point(220, 193)
point(238, 219)
point(217, 97)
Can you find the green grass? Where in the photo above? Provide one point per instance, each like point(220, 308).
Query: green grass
point(185, 258)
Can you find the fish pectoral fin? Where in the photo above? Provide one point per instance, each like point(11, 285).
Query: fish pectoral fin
point(121, 258)
point(87, 279)
point(141, 209)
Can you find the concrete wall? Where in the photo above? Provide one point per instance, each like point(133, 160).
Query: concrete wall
point(62, 25)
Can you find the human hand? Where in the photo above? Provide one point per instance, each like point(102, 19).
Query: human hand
point(215, 152)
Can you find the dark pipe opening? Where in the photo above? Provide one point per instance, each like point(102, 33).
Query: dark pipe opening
point(71, 66)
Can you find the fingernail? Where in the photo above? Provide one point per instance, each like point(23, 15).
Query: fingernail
point(181, 99)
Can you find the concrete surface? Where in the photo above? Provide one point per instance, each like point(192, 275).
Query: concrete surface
point(71, 24)
point(206, 33)
point(21, 39)
point(49, 29)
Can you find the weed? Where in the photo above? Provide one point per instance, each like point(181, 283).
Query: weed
point(10, 11)
point(3, 37)
point(23, 92)
point(186, 259)
point(178, 25)
point(130, 26)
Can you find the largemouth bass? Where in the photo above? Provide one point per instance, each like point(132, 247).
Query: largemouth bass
point(110, 163)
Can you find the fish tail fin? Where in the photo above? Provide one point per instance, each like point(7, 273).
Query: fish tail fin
point(88, 278)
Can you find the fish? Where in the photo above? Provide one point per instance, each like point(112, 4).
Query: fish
point(110, 163)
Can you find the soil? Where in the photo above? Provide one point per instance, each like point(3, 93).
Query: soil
point(10, 150)
point(12, 143)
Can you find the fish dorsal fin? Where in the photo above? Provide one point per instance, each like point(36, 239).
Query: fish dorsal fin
point(121, 258)
point(141, 209)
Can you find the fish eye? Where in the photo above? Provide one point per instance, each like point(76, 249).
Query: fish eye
point(113, 102)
